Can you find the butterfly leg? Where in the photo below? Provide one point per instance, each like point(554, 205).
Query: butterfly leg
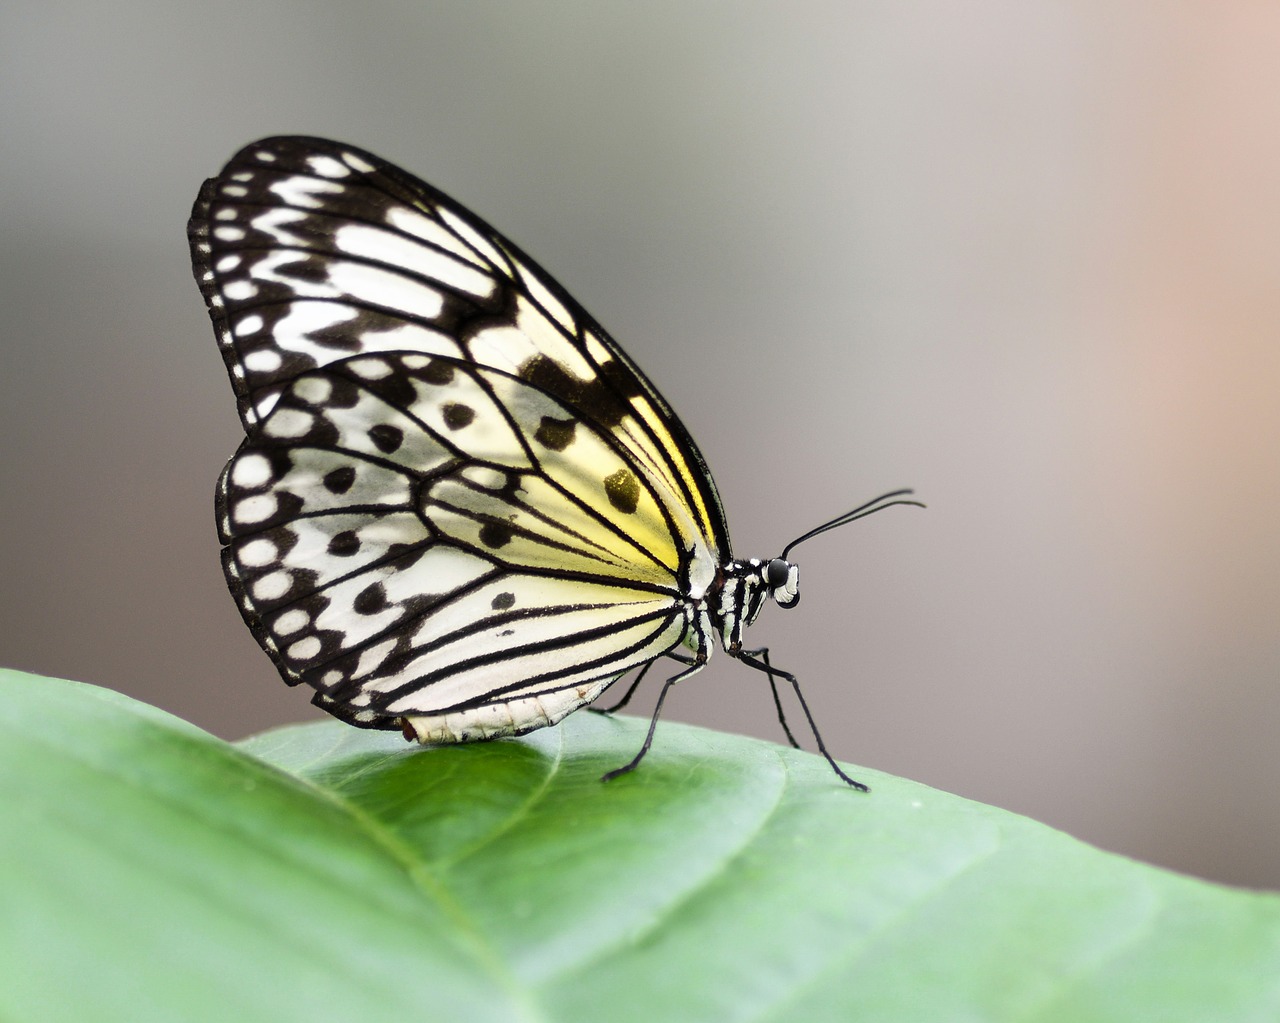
point(763, 654)
point(748, 657)
point(696, 665)
point(626, 698)
point(631, 689)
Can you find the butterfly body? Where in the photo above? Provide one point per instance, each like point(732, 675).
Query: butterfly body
point(460, 509)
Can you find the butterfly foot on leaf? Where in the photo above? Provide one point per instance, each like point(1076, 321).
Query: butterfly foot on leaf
point(618, 772)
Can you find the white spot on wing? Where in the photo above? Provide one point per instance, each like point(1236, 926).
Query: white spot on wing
point(290, 622)
point(263, 360)
point(250, 471)
point(384, 288)
point(257, 508)
point(301, 191)
point(328, 167)
point(315, 390)
point(483, 476)
point(596, 348)
point(239, 291)
point(356, 163)
point(305, 648)
point(289, 423)
point(394, 250)
point(371, 369)
point(258, 553)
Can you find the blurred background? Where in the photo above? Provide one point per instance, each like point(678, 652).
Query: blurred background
point(1024, 258)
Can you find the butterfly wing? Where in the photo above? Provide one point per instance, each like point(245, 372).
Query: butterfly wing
point(309, 251)
point(458, 502)
point(405, 536)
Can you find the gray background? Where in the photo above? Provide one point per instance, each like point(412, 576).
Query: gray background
point(1023, 257)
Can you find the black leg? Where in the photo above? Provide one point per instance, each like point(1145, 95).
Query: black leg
point(631, 689)
point(763, 654)
point(626, 697)
point(695, 666)
point(746, 658)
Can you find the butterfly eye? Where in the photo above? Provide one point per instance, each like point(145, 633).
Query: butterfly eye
point(776, 573)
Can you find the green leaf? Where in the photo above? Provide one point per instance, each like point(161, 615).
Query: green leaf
point(153, 872)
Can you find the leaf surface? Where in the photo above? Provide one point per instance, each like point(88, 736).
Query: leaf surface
point(320, 872)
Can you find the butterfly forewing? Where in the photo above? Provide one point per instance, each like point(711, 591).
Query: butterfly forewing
point(309, 252)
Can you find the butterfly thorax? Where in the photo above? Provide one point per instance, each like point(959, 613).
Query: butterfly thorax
point(739, 593)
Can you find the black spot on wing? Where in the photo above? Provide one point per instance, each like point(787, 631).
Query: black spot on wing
point(437, 372)
point(340, 337)
point(344, 544)
point(339, 481)
point(386, 438)
point(556, 434)
point(396, 389)
point(603, 400)
point(457, 415)
point(503, 601)
point(495, 534)
point(370, 600)
point(623, 490)
point(314, 269)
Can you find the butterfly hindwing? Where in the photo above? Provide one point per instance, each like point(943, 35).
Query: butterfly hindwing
point(409, 536)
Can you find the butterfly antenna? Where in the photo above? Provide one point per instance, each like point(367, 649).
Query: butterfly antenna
point(862, 511)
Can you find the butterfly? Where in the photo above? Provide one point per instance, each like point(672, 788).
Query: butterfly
point(460, 510)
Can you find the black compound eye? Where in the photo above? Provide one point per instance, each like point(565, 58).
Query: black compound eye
point(776, 572)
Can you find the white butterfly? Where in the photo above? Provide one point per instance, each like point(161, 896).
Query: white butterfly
point(460, 509)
